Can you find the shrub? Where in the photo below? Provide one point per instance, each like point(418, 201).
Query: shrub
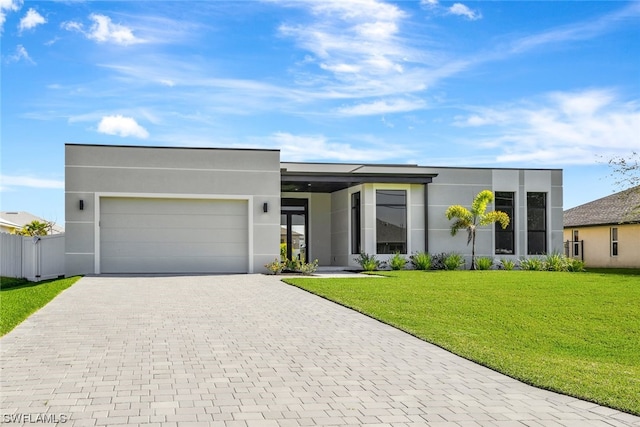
point(276, 266)
point(368, 262)
point(555, 262)
point(397, 262)
point(575, 265)
point(421, 261)
point(507, 264)
point(532, 264)
point(453, 261)
point(484, 263)
point(308, 268)
point(437, 261)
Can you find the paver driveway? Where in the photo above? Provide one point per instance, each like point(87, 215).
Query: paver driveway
point(248, 350)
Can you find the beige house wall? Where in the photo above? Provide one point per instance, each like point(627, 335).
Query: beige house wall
point(597, 245)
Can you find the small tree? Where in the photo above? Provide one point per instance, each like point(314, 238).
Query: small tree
point(35, 228)
point(472, 219)
point(626, 172)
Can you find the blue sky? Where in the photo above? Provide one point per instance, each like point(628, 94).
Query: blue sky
point(483, 83)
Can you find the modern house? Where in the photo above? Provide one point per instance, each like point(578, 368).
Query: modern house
point(605, 232)
point(205, 210)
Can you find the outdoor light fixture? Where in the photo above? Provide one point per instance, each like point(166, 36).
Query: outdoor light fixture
point(265, 207)
point(81, 204)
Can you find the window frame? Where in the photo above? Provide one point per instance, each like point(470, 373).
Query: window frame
point(533, 210)
point(405, 229)
point(356, 223)
point(510, 230)
point(614, 246)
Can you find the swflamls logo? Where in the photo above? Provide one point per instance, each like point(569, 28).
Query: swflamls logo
point(34, 418)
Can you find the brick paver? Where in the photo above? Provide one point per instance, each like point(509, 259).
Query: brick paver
point(250, 351)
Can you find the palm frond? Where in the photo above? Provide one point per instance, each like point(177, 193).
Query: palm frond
point(479, 205)
point(495, 216)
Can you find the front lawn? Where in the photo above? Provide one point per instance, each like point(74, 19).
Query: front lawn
point(575, 333)
point(20, 298)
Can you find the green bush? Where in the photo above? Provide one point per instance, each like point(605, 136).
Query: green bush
point(575, 265)
point(507, 264)
point(552, 262)
point(453, 261)
point(532, 264)
point(421, 261)
point(484, 263)
point(397, 262)
point(368, 262)
point(555, 262)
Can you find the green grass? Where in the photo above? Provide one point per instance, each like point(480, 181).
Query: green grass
point(574, 333)
point(20, 298)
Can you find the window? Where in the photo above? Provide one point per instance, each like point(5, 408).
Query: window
point(355, 223)
point(576, 243)
point(505, 242)
point(391, 221)
point(614, 241)
point(536, 223)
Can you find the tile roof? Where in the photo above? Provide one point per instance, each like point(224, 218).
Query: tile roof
point(618, 208)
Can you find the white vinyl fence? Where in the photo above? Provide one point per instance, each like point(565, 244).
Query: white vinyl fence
point(34, 258)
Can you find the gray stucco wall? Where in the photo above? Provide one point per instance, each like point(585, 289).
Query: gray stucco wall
point(151, 171)
point(461, 185)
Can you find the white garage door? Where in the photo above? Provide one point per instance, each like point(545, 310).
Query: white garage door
point(139, 235)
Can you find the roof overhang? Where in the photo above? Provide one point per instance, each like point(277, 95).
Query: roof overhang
point(314, 182)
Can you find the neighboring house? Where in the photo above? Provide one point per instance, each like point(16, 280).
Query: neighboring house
point(8, 226)
point(22, 218)
point(203, 210)
point(605, 232)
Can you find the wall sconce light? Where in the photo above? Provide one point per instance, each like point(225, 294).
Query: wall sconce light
point(265, 207)
point(81, 204)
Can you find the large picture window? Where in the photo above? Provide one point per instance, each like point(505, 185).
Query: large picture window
point(536, 223)
point(356, 226)
point(505, 240)
point(391, 221)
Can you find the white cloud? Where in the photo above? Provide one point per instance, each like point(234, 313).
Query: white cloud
point(20, 55)
point(122, 126)
point(359, 44)
point(104, 30)
point(298, 148)
point(8, 6)
point(462, 10)
point(31, 20)
point(382, 107)
point(8, 181)
point(561, 128)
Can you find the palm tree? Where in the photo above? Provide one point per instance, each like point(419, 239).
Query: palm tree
point(472, 219)
point(35, 228)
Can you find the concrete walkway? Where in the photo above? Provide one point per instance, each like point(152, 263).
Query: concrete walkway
point(248, 350)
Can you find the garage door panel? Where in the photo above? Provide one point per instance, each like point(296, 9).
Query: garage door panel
point(149, 249)
point(162, 206)
point(140, 235)
point(153, 220)
point(173, 235)
point(180, 265)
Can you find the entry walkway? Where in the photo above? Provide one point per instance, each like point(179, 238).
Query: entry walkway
point(248, 350)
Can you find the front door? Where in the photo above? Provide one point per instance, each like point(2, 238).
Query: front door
point(294, 229)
